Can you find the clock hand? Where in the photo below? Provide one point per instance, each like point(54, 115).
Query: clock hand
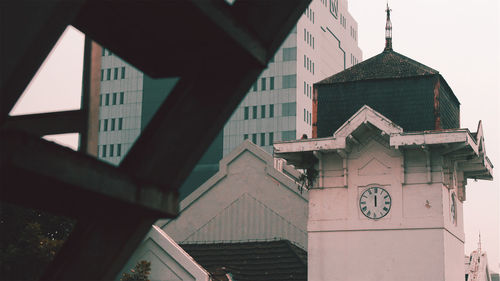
point(375, 200)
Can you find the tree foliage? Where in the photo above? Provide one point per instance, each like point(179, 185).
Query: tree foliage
point(29, 240)
point(139, 273)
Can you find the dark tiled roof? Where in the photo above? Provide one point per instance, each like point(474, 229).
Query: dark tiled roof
point(252, 261)
point(388, 64)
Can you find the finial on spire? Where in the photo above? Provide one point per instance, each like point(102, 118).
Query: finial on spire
point(479, 243)
point(388, 30)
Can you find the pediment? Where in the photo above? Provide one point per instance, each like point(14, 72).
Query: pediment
point(374, 167)
point(367, 115)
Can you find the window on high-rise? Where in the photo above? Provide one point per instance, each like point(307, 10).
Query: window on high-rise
point(120, 123)
point(254, 86)
point(111, 150)
point(103, 52)
point(288, 109)
point(305, 61)
point(105, 127)
point(271, 110)
point(116, 74)
point(245, 136)
point(245, 113)
point(102, 74)
point(107, 99)
point(271, 83)
point(103, 151)
point(122, 97)
point(123, 72)
point(262, 139)
point(108, 74)
point(254, 138)
point(290, 54)
point(114, 98)
point(119, 150)
point(305, 88)
point(262, 111)
point(254, 112)
point(288, 135)
point(271, 138)
point(100, 99)
point(263, 84)
point(304, 115)
point(289, 81)
point(112, 124)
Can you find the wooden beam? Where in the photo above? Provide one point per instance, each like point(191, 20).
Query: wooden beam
point(40, 174)
point(51, 123)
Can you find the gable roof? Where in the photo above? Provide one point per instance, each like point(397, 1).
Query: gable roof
point(253, 261)
point(388, 64)
point(285, 177)
point(365, 115)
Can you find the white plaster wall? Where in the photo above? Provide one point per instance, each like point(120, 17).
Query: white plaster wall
point(417, 240)
point(376, 255)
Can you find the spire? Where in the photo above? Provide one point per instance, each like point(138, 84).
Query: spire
point(388, 30)
point(479, 243)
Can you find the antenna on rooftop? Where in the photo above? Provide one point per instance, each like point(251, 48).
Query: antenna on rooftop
point(388, 30)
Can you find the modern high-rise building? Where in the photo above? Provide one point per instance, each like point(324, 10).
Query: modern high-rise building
point(277, 107)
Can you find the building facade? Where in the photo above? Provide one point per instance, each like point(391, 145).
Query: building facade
point(279, 105)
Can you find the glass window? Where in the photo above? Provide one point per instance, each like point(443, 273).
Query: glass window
point(290, 54)
point(245, 114)
point(102, 74)
point(254, 112)
point(288, 135)
point(262, 111)
point(107, 99)
point(108, 74)
point(103, 52)
point(122, 97)
point(305, 34)
point(123, 72)
point(105, 125)
point(262, 139)
point(313, 67)
point(271, 110)
point(304, 115)
point(116, 74)
point(271, 83)
point(100, 99)
point(111, 150)
point(120, 123)
point(288, 109)
point(114, 98)
point(305, 61)
point(271, 138)
point(263, 84)
point(103, 151)
point(112, 124)
point(289, 81)
point(254, 87)
point(119, 150)
point(254, 138)
point(245, 136)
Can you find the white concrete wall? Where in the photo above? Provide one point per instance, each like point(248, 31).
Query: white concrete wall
point(416, 240)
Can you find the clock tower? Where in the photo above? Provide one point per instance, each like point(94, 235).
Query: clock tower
point(385, 204)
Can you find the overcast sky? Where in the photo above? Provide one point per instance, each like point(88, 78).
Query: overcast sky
point(458, 38)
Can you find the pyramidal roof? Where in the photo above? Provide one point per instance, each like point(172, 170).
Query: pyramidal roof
point(386, 65)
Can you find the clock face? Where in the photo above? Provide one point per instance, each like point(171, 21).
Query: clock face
point(375, 202)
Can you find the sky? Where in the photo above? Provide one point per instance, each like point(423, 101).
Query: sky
point(460, 39)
